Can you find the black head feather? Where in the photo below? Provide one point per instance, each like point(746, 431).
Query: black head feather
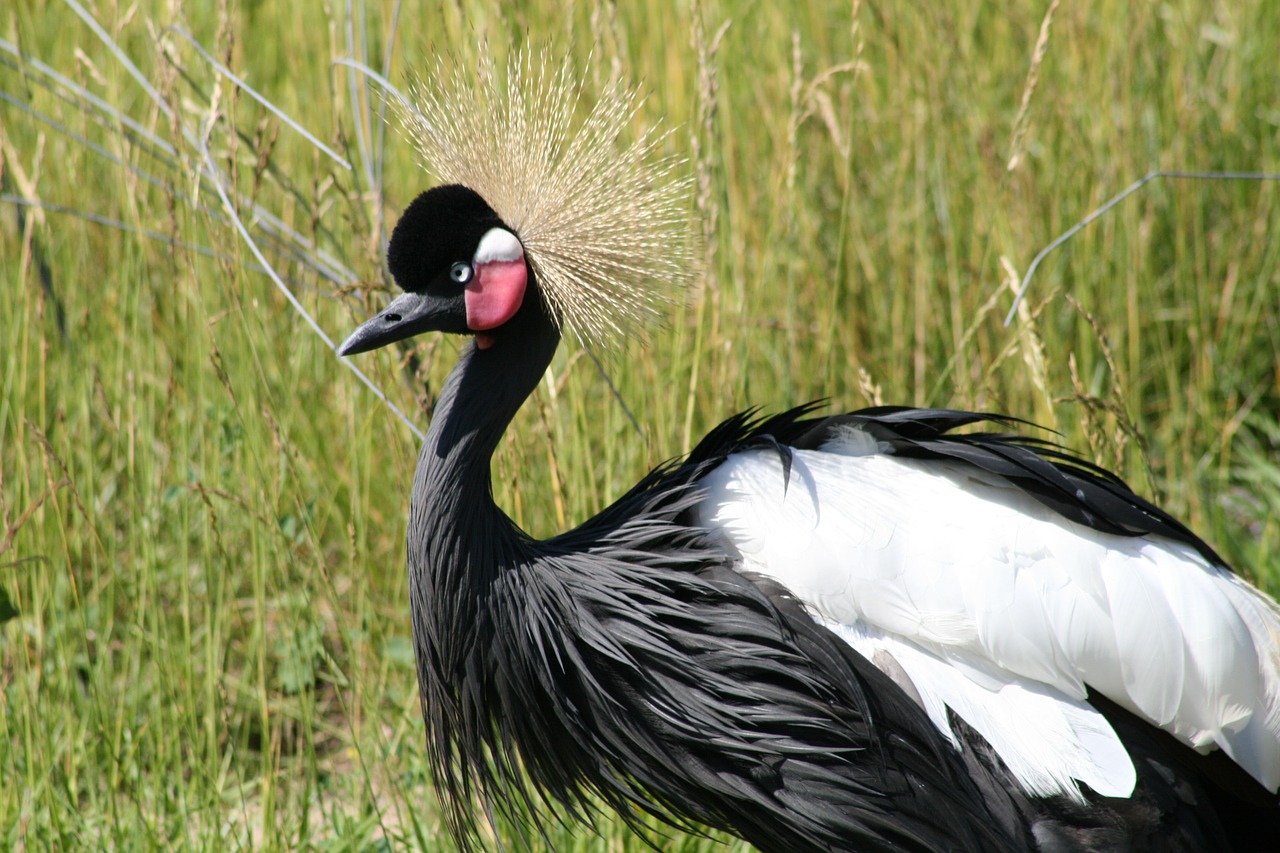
point(440, 227)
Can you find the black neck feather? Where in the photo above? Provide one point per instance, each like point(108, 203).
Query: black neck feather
point(458, 537)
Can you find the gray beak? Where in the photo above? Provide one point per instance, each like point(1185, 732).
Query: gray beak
point(408, 314)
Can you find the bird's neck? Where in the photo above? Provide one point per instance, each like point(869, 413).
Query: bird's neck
point(459, 541)
point(479, 399)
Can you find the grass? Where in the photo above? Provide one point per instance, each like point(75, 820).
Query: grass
point(202, 510)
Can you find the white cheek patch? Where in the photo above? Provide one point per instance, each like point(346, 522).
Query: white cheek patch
point(498, 244)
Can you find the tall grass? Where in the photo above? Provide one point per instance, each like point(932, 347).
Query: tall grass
point(202, 511)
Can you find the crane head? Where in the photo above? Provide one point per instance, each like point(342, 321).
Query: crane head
point(461, 268)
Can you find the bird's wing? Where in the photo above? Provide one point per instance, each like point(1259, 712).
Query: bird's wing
point(982, 597)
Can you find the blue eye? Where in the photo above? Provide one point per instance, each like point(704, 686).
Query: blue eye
point(461, 273)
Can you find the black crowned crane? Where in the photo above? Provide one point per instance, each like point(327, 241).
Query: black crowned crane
point(858, 632)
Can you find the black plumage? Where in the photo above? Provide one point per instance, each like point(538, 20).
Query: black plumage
point(627, 659)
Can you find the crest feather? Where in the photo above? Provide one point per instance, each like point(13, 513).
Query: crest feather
point(603, 221)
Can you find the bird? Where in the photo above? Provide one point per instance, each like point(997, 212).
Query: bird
point(893, 628)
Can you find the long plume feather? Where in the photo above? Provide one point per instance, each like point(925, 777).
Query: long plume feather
point(603, 221)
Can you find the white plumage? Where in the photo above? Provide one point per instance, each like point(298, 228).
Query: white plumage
point(977, 598)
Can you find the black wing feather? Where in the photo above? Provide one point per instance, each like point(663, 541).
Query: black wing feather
point(1075, 488)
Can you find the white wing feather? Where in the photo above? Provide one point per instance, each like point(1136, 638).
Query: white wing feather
point(1003, 611)
point(1070, 741)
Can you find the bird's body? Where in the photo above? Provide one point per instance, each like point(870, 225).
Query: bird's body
point(862, 632)
point(573, 660)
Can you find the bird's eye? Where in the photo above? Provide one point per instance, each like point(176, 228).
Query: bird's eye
point(461, 273)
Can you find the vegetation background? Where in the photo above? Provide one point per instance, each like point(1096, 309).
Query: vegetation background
point(205, 639)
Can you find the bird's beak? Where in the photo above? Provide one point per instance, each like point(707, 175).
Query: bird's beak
point(408, 314)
